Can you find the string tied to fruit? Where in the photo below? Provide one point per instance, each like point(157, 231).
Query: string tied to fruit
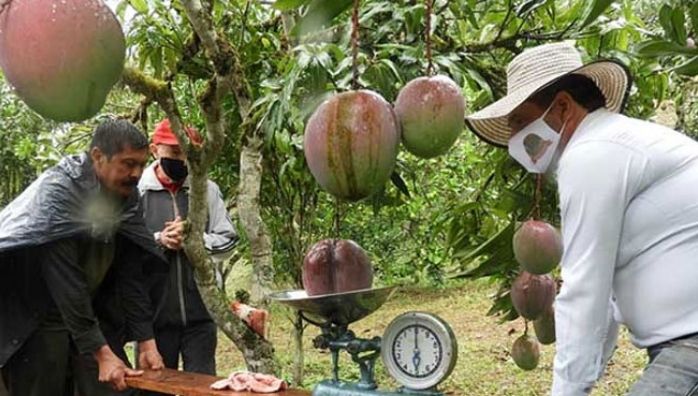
point(537, 197)
point(428, 5)
point(355, 45)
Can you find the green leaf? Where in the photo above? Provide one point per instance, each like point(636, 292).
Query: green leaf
point(141, 6)
point(287, 5)
point(498, 242)
point(694, 17)
point(156, 62)
point(391, 66)
point(320, 13)
point(502, 305)
point(689, 68)
point(529, 6)
point(678, 20)
point(594, 10)
point(121, 9)
point(665, 21)
point(471, 17)
point(397, 180)
point(480, 80)
point(655, 48)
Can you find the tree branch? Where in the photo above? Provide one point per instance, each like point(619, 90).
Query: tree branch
point(203, 26)
point(509, 43)
point(504, 22)
point(229, 76)
point(160, 92)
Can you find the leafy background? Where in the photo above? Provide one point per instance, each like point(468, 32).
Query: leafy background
point(438, 220)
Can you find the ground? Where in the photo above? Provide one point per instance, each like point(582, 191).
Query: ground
point(484, 366)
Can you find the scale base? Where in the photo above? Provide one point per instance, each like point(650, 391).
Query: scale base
point(333, 388)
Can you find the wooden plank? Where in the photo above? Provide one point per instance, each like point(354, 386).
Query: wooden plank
point(181, 383)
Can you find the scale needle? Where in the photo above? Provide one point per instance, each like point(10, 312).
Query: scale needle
point(416, 359)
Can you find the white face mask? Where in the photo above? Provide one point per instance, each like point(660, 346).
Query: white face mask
point(535, 146)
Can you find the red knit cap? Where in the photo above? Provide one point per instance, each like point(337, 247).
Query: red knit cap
point(163, 134)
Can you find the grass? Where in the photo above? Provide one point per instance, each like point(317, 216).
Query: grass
point(484, 366)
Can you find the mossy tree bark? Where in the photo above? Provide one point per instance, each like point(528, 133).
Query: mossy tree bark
point(228, 78)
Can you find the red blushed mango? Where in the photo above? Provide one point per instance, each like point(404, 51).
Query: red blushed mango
point(545, 326)
point(351, 144)
point(537, 246)
point(532, 294)
point(526, 352)
point(431, 111)
point(336, 266)
point(61, 56)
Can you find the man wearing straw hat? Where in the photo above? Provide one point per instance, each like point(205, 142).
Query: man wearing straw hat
point(629, 211)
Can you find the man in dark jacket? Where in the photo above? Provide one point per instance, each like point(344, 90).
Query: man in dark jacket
point(59, 240)
point(182, 322)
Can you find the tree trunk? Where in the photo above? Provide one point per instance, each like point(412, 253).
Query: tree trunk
point(229, 76)
point(258, 352)
point(252, 223)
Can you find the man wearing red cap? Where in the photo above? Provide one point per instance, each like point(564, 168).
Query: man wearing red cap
point(182, 324)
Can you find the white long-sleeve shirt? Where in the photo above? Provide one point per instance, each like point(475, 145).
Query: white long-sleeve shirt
point(629, 208)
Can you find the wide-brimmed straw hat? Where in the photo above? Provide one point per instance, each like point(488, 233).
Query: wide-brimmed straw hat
point(539, 67)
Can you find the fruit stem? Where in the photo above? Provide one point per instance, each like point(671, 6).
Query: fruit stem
point(337, 217)
point(536, 197)
point(355, 45)
point(427, 36)
point(525, 326)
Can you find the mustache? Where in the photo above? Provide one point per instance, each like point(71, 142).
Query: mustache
point(132, 182)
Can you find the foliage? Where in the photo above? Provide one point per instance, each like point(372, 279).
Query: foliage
point(31, 143)
point(463, 229)
point(442, 218)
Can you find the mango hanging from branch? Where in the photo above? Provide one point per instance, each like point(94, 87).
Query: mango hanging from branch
point(351, 144)
point(431, 111)
point(526, 352)
point(545, 326)
point(62, 57)
point(532, 294)
point(537, 246)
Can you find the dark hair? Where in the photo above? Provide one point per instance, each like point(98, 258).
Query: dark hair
point(581, 88)
point(113, 136)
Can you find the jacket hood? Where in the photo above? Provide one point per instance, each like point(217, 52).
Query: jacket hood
point(65, 201)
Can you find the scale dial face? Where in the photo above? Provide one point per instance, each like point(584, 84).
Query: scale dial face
point(419, 350)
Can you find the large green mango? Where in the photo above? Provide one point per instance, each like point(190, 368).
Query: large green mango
point(431, 111)
point(62, 57)
point(351, 144)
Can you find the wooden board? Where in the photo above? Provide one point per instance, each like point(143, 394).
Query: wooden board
point(176, 382)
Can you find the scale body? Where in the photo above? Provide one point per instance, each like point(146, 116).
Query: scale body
point(418, 349)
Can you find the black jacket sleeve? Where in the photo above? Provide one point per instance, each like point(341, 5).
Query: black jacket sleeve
point(132, 284)
point(67, 285)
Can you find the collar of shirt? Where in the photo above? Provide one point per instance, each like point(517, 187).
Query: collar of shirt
point(591, 122)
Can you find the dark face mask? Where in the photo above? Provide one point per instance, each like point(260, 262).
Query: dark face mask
point(175, 169)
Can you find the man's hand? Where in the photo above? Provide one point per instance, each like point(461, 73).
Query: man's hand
point(172, 235)
point(148, 355)
point(112, 369)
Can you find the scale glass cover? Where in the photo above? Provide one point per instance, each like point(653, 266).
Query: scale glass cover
point(419, 350)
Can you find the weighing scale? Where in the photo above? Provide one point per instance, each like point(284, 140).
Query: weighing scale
point(418, 349)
